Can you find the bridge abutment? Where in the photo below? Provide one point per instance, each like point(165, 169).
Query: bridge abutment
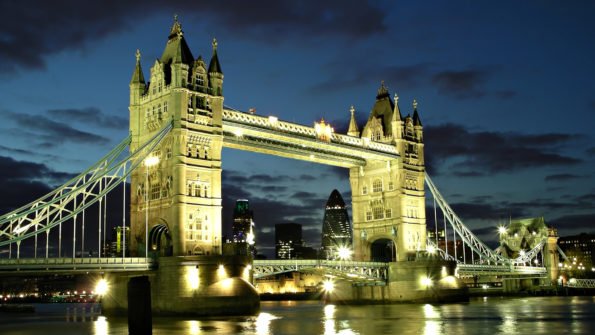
point(192, 285)
point(417, 281)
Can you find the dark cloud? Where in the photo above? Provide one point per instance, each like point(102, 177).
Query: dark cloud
point(23, 182)
point(481, 152)
point(462, 84)
point(591, 151)
point(405, 75)
point(505, 94)
point(466, 174)
point(52, 132)
point(90, 115)
point(561, 177)
point(580, 222)
point(274, 189)
point(32, 32)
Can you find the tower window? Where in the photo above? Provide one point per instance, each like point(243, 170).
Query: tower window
point(364, 189)
point(391, 185)
point(377, 186)
point(378, 213)
point(368, 216)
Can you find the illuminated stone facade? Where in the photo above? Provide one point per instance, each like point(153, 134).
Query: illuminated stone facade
point(388, 199)
point(181, 193)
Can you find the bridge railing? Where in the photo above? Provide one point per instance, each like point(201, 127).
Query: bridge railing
point(581, 283)
point(73, 264)
point(273, 123)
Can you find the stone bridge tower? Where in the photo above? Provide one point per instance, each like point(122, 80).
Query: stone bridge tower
point(179, 192)
point(388, 200)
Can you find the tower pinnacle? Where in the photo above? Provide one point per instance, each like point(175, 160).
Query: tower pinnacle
point(353, 129)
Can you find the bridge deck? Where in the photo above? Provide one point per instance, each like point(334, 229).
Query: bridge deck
point(74, 265)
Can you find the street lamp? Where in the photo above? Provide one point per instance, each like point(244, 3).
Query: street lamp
point(149, 161)
point(501, 230)
point(344, 253)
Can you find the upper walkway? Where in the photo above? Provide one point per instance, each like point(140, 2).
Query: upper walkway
point(318, 144)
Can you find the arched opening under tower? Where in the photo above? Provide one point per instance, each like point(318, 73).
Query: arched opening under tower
point(383, 250)
point(160, 240)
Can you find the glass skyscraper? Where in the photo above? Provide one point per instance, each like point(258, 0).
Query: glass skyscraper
point(336, 228)
point(243, 223)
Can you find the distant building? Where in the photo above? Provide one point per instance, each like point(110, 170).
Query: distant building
point(120, 238)
point(336, 228)
point(288, 240)
point(580, 250)
point(243, 222)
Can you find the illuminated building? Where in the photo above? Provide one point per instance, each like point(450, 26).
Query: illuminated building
point(243, 222)
point(580, 250)
point(288, 240)
point(336, 228)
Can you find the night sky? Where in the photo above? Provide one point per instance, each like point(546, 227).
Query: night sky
point(506, 93)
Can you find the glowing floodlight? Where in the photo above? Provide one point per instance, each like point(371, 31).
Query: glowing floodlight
point(502, 230)
point(328, 286)
point(344, 253)
point(101, 287)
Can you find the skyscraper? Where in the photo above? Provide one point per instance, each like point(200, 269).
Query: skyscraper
point(336, 228)
point(288, 240)
point(243, 222)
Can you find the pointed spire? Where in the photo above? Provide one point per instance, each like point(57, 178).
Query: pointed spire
point(416, 120)
point(396, 111)
point(214, 66)
point(176, 28)
point(353, 129)
point(137, 76)
point(382, 91)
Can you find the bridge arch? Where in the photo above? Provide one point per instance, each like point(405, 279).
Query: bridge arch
point(383, 249)
point(160, 240)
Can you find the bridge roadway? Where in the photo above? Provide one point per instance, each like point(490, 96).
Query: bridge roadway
point(361, 272)
point(74, 265)
point(376, 272)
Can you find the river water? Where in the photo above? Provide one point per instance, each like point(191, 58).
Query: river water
point(490, 315)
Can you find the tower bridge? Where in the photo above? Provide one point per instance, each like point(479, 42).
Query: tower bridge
point(178, 127)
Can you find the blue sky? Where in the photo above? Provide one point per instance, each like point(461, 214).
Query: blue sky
point(506, 94)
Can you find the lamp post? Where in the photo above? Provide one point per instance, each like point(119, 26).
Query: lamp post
point(149, 161)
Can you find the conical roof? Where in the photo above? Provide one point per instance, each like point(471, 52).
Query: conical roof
point(137, 76)
point(335, 200)
point(176, 49)
point(383, 109)
point(214, 66)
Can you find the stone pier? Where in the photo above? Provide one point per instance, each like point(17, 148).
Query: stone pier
point(191, 285)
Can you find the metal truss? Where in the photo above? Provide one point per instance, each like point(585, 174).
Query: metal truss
point(581, 283)
point(75, 265)
point(67, 201)
point(527, 256)
point(466, 235)
point(360, 272)
point(499, 270)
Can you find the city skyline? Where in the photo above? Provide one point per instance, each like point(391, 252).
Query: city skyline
point(507, 106)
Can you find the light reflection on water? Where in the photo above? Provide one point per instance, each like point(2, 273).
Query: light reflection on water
point(493, 315)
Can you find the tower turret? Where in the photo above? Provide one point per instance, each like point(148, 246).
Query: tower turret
point(177, 58)
point(353, 129)
point(215, 73)
point(397, 120)
point(417, 126)
point(137, 83)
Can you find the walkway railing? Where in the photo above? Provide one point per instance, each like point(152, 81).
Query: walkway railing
point(370, 272)
point(40, 265)
point(581, 283)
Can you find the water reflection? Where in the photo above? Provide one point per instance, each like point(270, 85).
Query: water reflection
point(263, 323)
point(193, 327)
point(100, 326)
point(432, 323)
